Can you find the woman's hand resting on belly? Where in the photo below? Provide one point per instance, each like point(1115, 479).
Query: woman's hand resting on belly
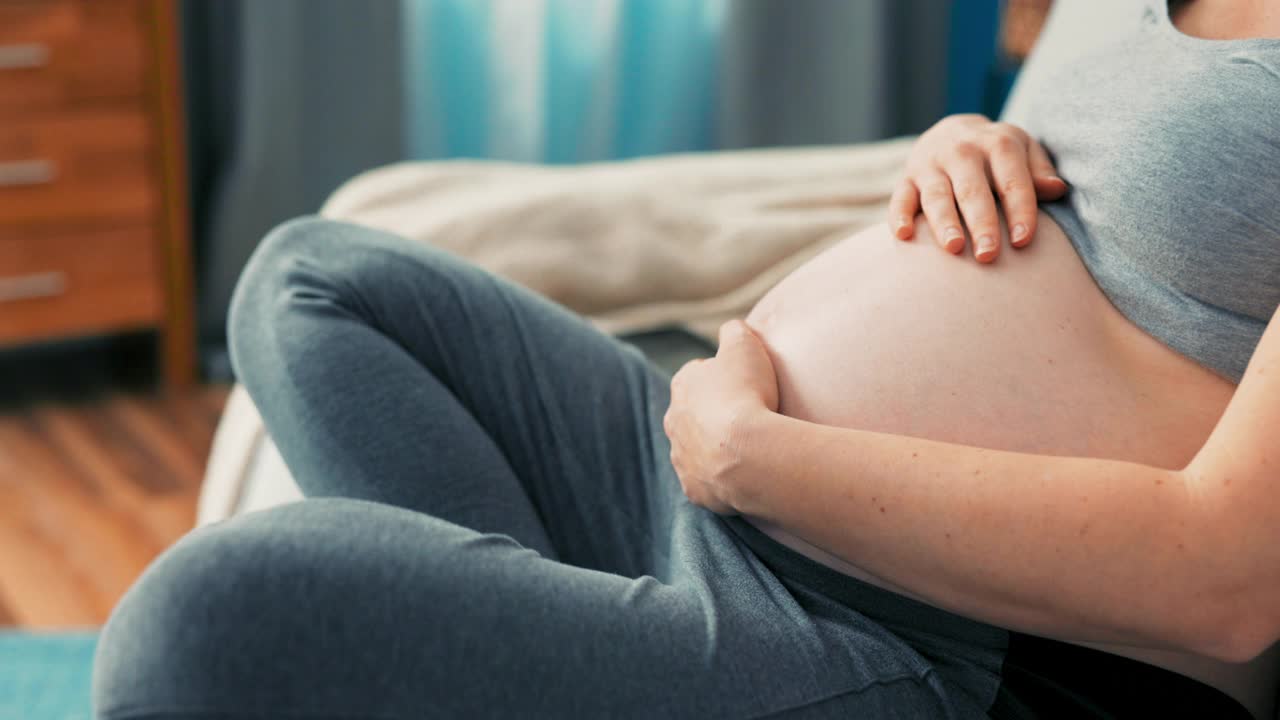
point(955, 173)
point(710, 399)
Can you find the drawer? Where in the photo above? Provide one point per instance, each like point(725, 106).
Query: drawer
point(84, 166)
point(61, 284)
point(59, 53)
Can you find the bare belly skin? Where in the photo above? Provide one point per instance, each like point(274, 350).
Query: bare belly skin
point(1026, 354)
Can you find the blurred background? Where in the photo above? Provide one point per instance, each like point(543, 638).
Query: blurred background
point(146, 146)
point(287, 99)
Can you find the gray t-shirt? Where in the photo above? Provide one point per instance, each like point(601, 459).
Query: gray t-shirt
point(1171, 145)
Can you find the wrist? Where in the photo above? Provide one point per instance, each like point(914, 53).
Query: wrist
point(752, 435)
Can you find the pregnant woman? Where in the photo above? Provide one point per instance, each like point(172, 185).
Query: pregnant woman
point(498, 524)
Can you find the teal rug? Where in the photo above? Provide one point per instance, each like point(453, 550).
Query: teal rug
point(45, 676)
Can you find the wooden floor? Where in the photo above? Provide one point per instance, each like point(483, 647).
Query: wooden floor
point(97, 476)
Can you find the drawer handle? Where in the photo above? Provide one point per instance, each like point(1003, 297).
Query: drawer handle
point(26, 172)
point(32, 287)
point(20, 57)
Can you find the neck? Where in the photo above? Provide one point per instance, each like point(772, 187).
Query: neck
point(1227, 19)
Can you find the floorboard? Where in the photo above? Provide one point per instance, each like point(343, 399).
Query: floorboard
point(93, 485)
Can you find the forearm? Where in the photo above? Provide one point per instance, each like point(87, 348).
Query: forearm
point(1079, 549)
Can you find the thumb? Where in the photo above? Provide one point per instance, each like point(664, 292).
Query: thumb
point(733, 333)
point(740, 345)
point(744, 352)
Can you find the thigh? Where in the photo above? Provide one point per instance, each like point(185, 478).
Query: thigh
point(342, 608)
point(343, 335)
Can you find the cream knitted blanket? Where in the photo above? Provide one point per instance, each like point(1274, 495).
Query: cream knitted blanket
point(684, 240)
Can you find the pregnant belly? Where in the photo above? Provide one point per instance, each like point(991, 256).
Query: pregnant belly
point(1026, 354)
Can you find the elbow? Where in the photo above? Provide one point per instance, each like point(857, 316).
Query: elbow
point(1238, 635)
point(1249, 642)
point(1232, 600)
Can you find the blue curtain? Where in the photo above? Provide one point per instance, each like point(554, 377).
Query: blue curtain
point(560, 80)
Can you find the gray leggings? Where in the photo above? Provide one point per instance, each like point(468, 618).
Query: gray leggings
point(493, 529)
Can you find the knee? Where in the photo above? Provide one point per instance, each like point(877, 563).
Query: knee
point(270, 271)
point(312, 266)
point(261, 610)
point(165, 645)
point(294, 263)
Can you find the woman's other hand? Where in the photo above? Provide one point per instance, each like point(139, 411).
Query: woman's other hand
point(956, 171)
point(711, 400)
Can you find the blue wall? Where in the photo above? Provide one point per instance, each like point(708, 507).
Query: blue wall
point(976, 81)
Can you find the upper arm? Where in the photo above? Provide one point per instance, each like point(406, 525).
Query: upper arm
point(1244, 443)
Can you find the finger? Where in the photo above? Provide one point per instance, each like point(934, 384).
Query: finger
point(682, 375)
point(966, 165)
point(738, 339)
point(730, 332)
point(1049, 185)
point(745, 356)
point(1011, 176)
point(735, 342)
point(903, 207)
point(939, 206)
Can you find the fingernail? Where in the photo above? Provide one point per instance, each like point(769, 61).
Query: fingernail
point(1019, 233)
point(985, 247)
point(903, 223)
point(953, 239)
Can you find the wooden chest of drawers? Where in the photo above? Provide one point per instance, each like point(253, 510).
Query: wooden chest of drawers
point(93, 188)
